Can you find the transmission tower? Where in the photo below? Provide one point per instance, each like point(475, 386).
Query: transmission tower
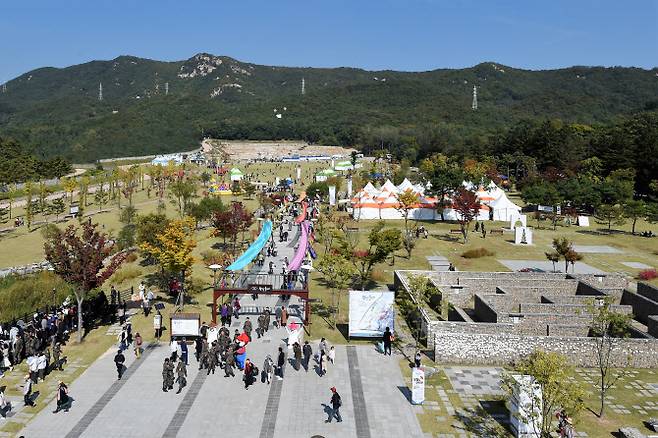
point(474, 105)
point(166, 88)
point(303, 87)
point(4, 88)
point(100, 91)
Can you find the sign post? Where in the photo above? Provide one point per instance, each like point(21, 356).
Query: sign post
point(417, 385)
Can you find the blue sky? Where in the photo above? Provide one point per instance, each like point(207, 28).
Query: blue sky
point(408, 35)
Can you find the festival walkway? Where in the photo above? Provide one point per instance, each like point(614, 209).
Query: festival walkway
point(371, 386)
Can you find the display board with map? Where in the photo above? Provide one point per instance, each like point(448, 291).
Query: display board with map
point(370, 313)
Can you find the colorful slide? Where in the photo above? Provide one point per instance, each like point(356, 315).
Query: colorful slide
point(302, 215)
point(250, 254)
point(297, 260)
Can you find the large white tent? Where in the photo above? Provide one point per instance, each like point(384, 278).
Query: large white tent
point(382, 203)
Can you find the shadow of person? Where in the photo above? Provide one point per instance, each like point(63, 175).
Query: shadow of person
point(318, 370)
point(327, 409)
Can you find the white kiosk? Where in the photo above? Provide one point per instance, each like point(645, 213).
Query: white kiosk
point(525, 407)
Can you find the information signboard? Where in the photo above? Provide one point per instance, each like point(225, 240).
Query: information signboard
point(370, 313)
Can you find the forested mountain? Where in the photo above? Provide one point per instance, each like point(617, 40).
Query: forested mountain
point(57, 111)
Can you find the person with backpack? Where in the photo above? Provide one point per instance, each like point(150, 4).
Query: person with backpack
point(5, 405)
point(388, 341)
point(248, 373)
point(268, 369)
point(307, 350)
point(336, 403)
point(27, 391)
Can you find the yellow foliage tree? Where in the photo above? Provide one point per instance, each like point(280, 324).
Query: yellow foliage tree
point(174, 248)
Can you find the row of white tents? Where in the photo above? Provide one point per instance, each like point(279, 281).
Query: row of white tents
point(382, 203)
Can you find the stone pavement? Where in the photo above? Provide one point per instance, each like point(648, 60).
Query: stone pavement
point(210, 405)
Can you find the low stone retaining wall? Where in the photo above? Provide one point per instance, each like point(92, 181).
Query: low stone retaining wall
point(505, 349)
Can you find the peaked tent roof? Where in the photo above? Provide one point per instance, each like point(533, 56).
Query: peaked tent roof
point(235, 171)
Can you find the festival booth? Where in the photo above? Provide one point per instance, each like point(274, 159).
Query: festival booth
point(373, 203)
point(323, 175)
point(219, 188)
point(493, 197)
point(164, 160)
point(236, 174)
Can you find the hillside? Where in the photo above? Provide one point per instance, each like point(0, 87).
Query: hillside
point(57, 111)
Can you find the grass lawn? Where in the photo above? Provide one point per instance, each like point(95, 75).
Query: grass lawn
point(485, 411)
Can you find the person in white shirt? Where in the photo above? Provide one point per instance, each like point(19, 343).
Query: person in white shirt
point(142, 290)
point(173, 348)
point(27, 391)
point(42, 364)
point(33, 366)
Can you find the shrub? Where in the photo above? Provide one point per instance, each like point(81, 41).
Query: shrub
point(379, 276)
point(477, 253)
point(126, 273)
point(648, 274)
point(131, 258)
point(23, 295)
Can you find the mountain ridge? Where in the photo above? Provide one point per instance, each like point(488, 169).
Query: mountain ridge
point(57, 110)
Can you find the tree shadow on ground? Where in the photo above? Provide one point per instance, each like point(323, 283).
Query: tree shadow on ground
point(447, 237)
point(485, 419)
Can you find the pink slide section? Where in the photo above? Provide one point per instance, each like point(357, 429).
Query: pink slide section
point(297, 260)
point(302, 215)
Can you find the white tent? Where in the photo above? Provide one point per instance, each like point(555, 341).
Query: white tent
point(236, 174)
point(370, 203)
point(504, 209)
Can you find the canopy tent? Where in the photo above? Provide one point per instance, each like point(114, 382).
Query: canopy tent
point(163, 160)
point(236, 174)
point(504, 209)
point(323, 175)
point(250, 254)
point(370, 203)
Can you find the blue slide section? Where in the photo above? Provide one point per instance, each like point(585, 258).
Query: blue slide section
point(250, 254)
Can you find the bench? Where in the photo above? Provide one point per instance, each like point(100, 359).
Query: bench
point(496, 232)
point(455, 231)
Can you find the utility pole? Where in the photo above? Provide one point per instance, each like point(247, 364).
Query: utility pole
point(100, 92)
point(474, 105)
point(166, 88)
point(303, 87)
point(4, 88)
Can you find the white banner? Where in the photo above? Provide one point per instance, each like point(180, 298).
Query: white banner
point(349, 187)
point(417, 385)
point(332, 195)
point(184, 327)
point(371, 313)
point(299, 173)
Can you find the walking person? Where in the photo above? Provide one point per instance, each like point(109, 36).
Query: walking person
point(280, 362)
point(229, 363)
point(284, 317)
point(138, 345)
point(297, 351)
point(388, 341)
point(173, 349)
point(248, 327)
point(5, 404)
point(57, 352)
point(335, 404)
point(417, 359)
point(331, 356)
point(183, 351)
point(248, 373)
point(157, 325)
point(236, 308)
point(119, 359)
point(268, 369)
point(42, 364)
point(27, 391)
point(308, 353)
point(181, 372)
point(167, 375)
point(63, 399)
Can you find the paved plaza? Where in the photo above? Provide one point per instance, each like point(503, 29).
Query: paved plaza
point(545, 265)
point(373, 405)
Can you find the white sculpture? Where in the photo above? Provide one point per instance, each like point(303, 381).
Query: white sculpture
point(523, 236)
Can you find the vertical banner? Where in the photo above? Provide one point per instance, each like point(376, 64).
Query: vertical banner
point(299, 173)
point(332, 195)
point(277, 181)
point(349, 187)
point(333, 163)
point(417, 385)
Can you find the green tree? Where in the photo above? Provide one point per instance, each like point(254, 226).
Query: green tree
point(338, 274)
point(181, 193)
point(12, 194)
point(205, 178)
point(29, 206)
point(554, 376)
point(608, 327)
point(315, 189)
point(610, 215)
point(542, 193)
point(563, 248)
point(382, 244)
point(634, 210)
point(249, 189)
point(57, 207)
